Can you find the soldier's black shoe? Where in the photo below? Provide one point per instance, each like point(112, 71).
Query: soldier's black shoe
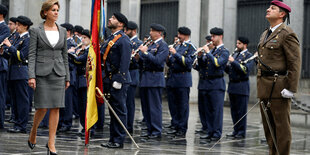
point(201, 131)
point(230, 135)
point(206, 136)
point(112, 145)
point(181, 134)
point(156, 137)
point(239, 137)
point(144, 135)
point(64, 129)
point(215, 138)
point(172, 131)
point(15, 130)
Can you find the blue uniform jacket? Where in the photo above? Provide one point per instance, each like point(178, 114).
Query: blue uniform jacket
point(239, 74)
point(180, 65)
point(152, 64)
point(211, 69)
point(80, 62)
point(134, 66)
point(4, 33)
point(19, 58)
point(117, 63)
point(72, 66)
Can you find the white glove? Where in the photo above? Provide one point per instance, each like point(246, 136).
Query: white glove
point(117, 85)
point(287, 94)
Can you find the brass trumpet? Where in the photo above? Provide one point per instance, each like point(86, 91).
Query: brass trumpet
point(196, 53)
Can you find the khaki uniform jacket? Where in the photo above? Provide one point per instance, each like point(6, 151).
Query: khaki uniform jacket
point(281, 52)
point(43, 58)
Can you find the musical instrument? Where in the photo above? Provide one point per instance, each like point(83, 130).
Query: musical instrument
point(250, 58)
point(145, 43)
point(3, 42)
point(174, 44)
point(196, 53)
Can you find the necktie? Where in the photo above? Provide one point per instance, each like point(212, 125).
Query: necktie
point(268, 34)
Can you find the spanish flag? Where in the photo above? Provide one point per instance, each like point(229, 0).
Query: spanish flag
point(93, 67)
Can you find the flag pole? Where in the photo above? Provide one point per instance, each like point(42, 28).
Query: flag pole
point(120, 122)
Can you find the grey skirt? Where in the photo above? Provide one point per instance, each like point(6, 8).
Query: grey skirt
point(50, 91)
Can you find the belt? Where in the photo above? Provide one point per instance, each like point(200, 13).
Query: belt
point(272, 73)
point(238, 80)
point(153, 70)
point(180, 71)
point(210, 77)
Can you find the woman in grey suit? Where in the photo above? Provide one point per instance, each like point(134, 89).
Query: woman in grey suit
point(48, 71)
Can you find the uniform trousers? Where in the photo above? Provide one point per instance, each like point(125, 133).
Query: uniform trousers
point(151, 97)
point(3, 91)
point(65, 115)
point(178, 99)
point(238, 108)
point(130, 104)
point(82, 98)
point(210, 104)
point(117, 101)
point(20, 100)
point(279, 115)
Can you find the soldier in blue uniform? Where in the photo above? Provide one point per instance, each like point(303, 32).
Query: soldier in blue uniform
point(239, 86)
point(202, 116)
point(80, 60)
point(179, 80)
point(77, 37)
point(4, 33)
point(152, 60)
point(116, 54)
point(18, 74)
point(211, 87)
point(131, 32)
point(65, 116)
point(14, 34)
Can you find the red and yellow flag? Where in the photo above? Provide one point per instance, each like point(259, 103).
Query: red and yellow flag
point(93, 67)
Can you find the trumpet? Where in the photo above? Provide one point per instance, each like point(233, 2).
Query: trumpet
point(250, 58)
point(196, 53)
point(145, 43)
point(78, 47)
point(174, 44)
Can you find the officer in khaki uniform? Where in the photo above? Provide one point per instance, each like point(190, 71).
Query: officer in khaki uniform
point(279, 61)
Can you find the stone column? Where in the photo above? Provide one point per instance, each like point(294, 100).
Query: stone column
point(297, 17)
point(190, 18)
point(131, 9)
point(230, 24)
point(80, 13)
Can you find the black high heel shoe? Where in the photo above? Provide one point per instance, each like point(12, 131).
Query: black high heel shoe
point(31, 146)
point(50, 152)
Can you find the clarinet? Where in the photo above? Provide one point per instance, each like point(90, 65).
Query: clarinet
point(145, 43)
point(250, 58)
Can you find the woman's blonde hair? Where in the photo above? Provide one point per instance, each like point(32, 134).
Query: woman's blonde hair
point(46, 6)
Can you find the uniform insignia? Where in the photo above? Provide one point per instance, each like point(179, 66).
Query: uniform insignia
point(273, 41)
point(277, 36)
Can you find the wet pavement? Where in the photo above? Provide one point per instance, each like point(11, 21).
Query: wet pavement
point(71, 143)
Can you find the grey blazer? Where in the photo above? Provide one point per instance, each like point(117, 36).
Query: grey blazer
point(43, 57)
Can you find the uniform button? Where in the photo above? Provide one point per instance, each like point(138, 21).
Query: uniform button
point(260, 64)
point(263, 47)
point(271, 47)
point(261, 56)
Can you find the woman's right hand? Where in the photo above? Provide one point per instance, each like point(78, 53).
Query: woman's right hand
point(32, 83)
